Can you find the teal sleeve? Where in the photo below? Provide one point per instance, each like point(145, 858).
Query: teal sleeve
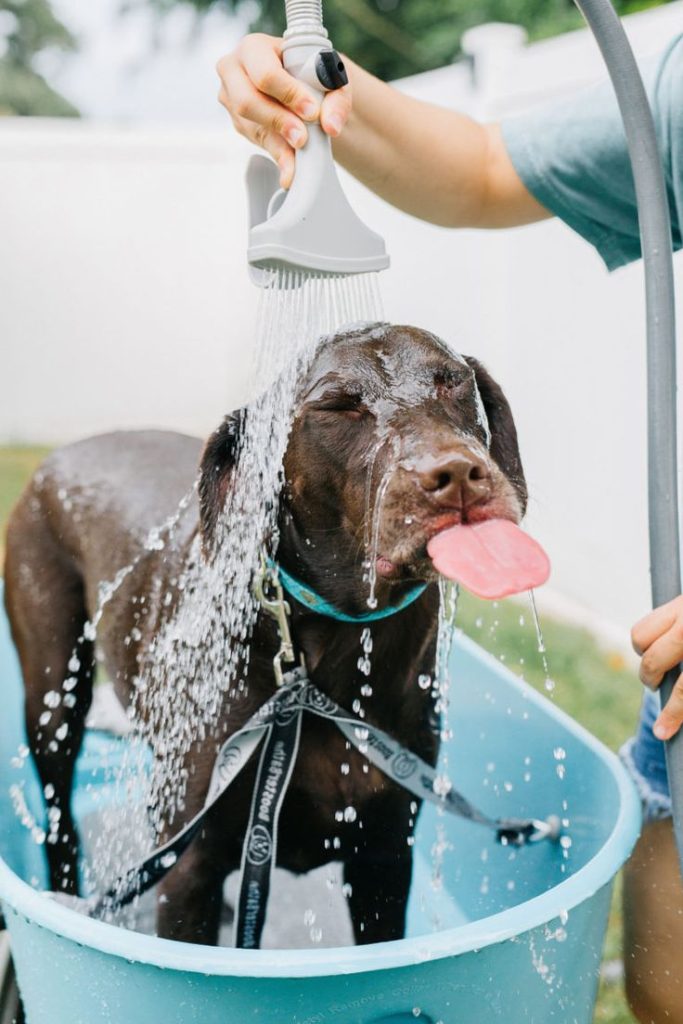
point(572, 157)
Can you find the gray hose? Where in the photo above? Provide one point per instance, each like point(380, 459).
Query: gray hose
point(655, 238)
point(302, 14)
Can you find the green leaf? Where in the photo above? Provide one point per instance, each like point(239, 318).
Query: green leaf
point(33, 28)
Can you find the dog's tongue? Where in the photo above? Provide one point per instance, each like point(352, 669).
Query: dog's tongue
point(491, 559)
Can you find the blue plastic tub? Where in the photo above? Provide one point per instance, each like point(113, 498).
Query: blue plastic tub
point(518, 933)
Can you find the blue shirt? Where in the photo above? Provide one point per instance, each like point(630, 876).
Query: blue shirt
point(572, 157)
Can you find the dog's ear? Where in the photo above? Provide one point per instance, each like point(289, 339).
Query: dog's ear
point(215, 469)
point(504, 446)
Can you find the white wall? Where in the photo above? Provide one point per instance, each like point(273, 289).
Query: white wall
point(126, 298)
point(126, 302)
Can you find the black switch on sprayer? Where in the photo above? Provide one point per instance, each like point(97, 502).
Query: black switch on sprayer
point(330, 70)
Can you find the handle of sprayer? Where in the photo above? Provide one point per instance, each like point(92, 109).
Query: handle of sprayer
point(318, 66)
point(311, 60)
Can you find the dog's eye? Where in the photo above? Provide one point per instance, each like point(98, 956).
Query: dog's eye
point(449, 385)
point(343, 403)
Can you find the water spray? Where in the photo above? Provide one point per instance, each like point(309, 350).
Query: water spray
point(312, 226)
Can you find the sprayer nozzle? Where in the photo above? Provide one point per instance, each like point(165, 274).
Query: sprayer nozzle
point(312, 226)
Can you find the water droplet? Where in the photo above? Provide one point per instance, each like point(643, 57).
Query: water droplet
point(442, 785)
point(424, 682)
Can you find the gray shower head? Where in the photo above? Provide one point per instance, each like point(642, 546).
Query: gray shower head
point(312, 226)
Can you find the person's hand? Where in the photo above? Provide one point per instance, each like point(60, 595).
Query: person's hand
point(658, 638)
point(270, 107)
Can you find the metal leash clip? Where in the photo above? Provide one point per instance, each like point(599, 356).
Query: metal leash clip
point(270, 595)
point(522, 833)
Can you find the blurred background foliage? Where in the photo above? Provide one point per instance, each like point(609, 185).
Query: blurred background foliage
point(394, 38)
point(391, 38)
point(29, 28)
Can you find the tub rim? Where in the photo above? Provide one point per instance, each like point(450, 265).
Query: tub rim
point(38, 908)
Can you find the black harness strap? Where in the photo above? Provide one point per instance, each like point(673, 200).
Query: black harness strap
point(260, 843)
point(231, 759)
point(279, 720)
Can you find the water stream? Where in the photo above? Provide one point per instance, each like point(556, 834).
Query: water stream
point(200, 654)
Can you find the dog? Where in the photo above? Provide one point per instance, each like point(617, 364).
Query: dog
point(382, 402)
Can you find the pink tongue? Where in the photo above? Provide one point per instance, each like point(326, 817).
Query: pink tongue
point(492, 559)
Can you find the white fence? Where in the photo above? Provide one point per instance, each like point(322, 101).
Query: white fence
point(126, 302)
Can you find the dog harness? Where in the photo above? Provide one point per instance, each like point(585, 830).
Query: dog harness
point(276, 727)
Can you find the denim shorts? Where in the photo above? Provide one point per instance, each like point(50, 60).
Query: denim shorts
point(643, 757)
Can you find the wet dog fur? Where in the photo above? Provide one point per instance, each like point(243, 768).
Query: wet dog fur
point(383, 404)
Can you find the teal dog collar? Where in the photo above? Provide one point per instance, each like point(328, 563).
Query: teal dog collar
point(310, 599)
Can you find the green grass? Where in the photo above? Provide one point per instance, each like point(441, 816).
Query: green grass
point(592, 685)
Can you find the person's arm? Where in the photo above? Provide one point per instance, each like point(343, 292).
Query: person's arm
point(436, 164)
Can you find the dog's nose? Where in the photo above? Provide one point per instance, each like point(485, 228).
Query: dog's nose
point(455, 480)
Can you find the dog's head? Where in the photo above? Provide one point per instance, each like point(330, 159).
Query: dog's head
point(394, 438)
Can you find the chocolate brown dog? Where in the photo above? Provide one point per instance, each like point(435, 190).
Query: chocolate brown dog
point(380, 403)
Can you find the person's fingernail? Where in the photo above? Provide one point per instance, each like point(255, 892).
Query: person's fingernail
point(308, 109)
point(334, 124)
point(295, 136)
point(661, 731)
